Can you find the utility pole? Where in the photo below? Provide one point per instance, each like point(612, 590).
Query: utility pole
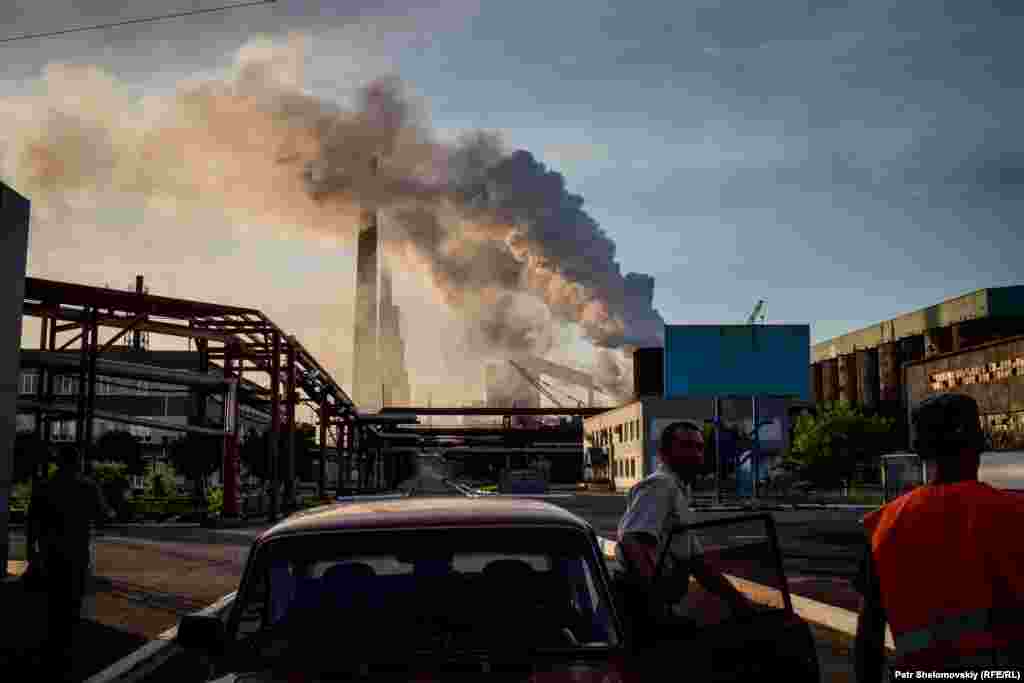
point(718, 450)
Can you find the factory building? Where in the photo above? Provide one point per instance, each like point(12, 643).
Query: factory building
point(969, 344)
point(168, 403)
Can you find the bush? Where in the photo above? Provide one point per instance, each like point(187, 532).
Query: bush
point(113, 480)
point(215, 500)
point(21, 493)
point(148, 507)
point(160, 483)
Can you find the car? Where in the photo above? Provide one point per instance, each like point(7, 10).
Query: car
point(443, 588)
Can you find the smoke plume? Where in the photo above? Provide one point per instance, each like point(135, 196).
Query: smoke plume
point(494, 232)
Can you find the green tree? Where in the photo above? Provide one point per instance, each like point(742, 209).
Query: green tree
point(253, 452)
point(196, 456)
point(113, 480)
point(828, 449)
point(306, 450)
point(120, 446)
point(160, 483)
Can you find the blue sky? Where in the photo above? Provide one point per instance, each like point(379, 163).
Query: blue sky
point(847, 162)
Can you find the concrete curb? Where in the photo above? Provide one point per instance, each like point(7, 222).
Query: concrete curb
point(829, 616)
point(155, 653)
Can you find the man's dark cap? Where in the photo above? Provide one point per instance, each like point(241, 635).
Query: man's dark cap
point(944, 423)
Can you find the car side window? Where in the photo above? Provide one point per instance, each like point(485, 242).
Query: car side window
point(255, 610)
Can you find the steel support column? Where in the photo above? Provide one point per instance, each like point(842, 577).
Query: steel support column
point(83, 371)
point(322, 488)
point(275, 423)
point(90, 394)
point(345, 459)
point(48, 424)
point(289, 463)
point(230, 460)
point(41, 416)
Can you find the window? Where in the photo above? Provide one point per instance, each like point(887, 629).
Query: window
point(144, 433)
point(68, 385)
point(64, 430)
point(367, 577)
point(29, 382)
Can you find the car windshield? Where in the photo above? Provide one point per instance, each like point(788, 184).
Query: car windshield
point(344, 599)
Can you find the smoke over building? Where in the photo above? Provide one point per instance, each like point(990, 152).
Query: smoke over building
point(495, 233)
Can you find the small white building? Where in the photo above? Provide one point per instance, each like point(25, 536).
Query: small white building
point(622, 443)
point(628, 436)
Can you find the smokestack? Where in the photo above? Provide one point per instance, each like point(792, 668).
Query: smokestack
point(366, 376)
point(136, 334)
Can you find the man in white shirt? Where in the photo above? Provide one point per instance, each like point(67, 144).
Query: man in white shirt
point(655, 506)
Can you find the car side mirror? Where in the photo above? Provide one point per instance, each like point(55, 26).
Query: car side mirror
point(201, 633)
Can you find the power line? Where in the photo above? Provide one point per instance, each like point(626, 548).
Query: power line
point(138, 21)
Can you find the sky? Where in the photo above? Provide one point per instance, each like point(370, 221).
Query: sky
point(845, 161)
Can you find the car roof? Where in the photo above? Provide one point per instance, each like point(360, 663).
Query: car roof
point(426, 512)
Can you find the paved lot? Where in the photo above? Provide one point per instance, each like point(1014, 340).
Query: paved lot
point(152, 576)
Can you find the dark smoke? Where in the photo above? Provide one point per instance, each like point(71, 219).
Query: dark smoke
point(490, 228)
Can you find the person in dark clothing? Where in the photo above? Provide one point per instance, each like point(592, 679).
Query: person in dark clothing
point(62, 512)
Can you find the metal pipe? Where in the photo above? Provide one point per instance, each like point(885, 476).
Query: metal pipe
point(68, 408)
point(109, 368)
point(275, 423)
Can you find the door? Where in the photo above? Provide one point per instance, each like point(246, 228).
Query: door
point(695, 631)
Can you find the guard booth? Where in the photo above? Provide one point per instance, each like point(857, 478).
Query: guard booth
point(903, 472)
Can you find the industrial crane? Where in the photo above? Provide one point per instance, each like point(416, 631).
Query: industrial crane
point(536, 384)
point(758, 311)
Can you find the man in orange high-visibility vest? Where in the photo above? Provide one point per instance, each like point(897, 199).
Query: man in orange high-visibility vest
point(944, 563)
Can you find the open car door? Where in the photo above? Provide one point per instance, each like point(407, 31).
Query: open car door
point(693, 630)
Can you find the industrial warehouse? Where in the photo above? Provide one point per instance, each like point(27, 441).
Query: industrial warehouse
point(973, 344)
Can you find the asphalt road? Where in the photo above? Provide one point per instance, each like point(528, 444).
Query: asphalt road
point(819, 548)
